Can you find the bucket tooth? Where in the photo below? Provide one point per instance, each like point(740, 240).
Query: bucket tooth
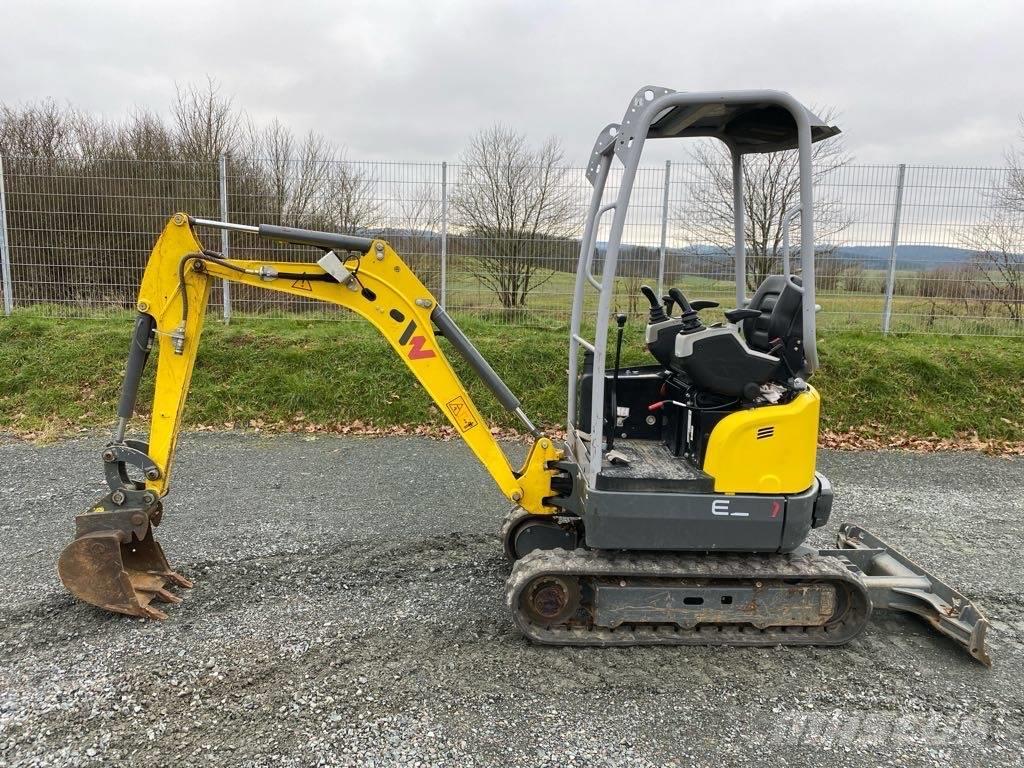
point(115, 563)
point(164, 596)
point(177, 578)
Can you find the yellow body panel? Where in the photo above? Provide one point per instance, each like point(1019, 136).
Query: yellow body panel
point(387, 294)
point(766, 450)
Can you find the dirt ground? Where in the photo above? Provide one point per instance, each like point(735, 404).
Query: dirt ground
point(349, 610)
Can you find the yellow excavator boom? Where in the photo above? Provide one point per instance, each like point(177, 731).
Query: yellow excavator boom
point(114, 561)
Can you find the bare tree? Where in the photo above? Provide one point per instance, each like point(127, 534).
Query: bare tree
point(998, 261)
point(828, 268)
point(998, 243)
point(352, 204)
point(205, 122)
point(511, 199)
point(855, 279)
point(43, 129)
point(295, 172)
point(1012, 192)
point(418, 239)
point(94, 137)
point(49, 130)
point(143, 136)
point(307, 183)
point(636, 265)
point(772, 187)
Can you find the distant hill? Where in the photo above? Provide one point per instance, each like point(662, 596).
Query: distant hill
point(907, 256)
point(910, 257)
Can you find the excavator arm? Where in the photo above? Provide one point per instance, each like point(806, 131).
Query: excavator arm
point(114, 561)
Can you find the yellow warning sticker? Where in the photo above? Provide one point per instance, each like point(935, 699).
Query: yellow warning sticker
point(302, 285)
point(461, 413)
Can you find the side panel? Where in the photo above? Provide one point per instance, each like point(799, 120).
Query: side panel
point(682, 521)
point(766, 450)
point(697, 522)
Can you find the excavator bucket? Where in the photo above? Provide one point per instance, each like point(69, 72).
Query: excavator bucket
point(116, 564)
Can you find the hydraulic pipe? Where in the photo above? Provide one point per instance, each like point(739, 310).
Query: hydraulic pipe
point(142, 337)
point(479, 364)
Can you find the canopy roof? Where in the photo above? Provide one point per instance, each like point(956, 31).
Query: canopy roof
point(765, 127)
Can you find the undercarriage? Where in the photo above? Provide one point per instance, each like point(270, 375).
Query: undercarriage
point(806, 597)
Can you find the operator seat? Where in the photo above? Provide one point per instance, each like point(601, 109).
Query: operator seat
point(720, 360)
point(755, 328)
point(780, 303)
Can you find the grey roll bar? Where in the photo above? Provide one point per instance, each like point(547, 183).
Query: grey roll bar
point(787, 222)
point(754, 121)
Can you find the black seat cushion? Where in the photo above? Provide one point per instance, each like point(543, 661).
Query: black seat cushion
point(717, 360)
point(720, 363)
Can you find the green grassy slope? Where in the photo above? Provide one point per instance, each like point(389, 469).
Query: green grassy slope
point(56, 375)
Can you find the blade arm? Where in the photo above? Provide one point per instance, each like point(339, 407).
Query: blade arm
point(896, 582)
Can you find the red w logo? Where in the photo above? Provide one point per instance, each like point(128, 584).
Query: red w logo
point(417, 352)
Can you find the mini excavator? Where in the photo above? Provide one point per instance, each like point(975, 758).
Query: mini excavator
point(676, 509)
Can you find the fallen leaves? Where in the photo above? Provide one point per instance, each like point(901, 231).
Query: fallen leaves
point(857, 440)
point(301, 425)
point(869, 438)
point(850, 440)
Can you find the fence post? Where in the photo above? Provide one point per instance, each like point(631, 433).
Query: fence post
point(5, 252)
point(225, 235)
point(890, 282)
point(664, 229)
point(444, 235)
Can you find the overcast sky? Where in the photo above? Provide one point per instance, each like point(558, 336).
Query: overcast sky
point(917, 82)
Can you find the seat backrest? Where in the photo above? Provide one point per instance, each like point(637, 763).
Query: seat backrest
point(781, 306)
point(786, 320)
point(783, 323)
point(756, 329)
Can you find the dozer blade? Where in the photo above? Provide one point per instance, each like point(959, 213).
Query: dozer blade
point(116, 564)
point(896, 582)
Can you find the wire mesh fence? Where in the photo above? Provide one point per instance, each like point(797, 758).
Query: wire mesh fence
point(946, 243)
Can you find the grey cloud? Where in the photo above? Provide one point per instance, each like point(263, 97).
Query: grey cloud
point(917, 82)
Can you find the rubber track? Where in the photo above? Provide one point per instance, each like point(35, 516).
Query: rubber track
point(742, 569)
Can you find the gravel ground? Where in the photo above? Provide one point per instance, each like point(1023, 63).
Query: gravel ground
point(349, 610)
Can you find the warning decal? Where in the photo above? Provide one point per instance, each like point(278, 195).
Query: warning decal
point(462, 413)
point(303, 285)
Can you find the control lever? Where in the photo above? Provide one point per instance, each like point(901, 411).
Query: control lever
point(613, 400)
point(678, 298)
point(740, 314)
point(691, 323)
point(657, 314)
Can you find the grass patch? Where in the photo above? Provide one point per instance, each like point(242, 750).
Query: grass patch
point(923, 385)
point(57, 375)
